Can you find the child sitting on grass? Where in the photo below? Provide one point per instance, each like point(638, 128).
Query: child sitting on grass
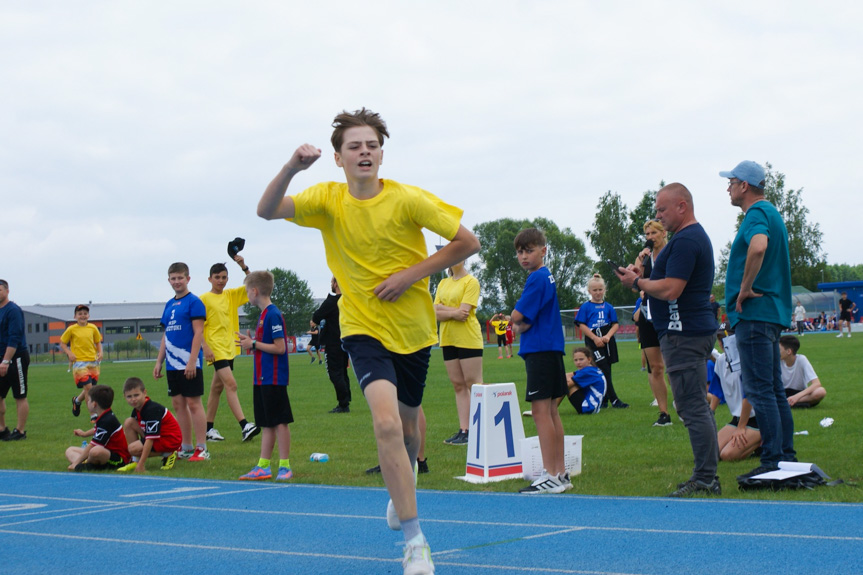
point(151, 431)
point(586, 385)
point(108, 448)
point(802, 386)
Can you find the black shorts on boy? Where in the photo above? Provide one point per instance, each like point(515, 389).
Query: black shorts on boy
point(272, 406)
point(179, 385)
point(372, 361)
point(546, 375)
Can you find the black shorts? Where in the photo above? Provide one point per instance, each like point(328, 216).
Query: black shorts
point(845, 315)
point(179, 385)
point(546, 376)
point(223, 363)
point(16, 376)
point(501, 339)
point(272, 406)
point(372, 361)
point(451, 352)
point(577, 397)
point(752, 423)
point(647, 333)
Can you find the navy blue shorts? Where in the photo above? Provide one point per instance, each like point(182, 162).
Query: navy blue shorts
point(372, 361)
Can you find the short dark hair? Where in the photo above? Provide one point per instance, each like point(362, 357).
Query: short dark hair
point(133, 383)
point(217, 269)
point(178, 268)
point(531, 237)
point(81, 306)
point(4, 283)
point(361, 117)
point(790, 342)
point(102, 395)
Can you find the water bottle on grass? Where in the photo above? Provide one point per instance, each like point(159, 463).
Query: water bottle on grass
point(319, 457)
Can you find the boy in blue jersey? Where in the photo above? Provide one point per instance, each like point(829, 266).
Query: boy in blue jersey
point(272, 406)
point(183, 321)
point(537, 317)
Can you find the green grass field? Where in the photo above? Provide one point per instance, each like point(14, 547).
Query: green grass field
point(623, 453)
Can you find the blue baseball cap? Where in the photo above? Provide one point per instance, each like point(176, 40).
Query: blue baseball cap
point(747, 171)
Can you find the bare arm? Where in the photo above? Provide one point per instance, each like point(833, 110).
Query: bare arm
point(445, 313)
point(666, 289)
point(197, 340)
point(518, 325)
point(462, 246)
point(273, 205)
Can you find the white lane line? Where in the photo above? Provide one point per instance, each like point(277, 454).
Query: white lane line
point(170, 491)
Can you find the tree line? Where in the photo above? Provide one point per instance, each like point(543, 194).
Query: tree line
point(616, 235)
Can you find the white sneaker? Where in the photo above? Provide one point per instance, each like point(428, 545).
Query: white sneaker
point(392, 517)
point(565, 480)
point(545, 483)
point(654, 403)
point(418, 559)
point(200, 455)
point(840, 334)
point(849, 334)
point(527, 413)
point(250, 430)
point(183, 454)
point(214, 435)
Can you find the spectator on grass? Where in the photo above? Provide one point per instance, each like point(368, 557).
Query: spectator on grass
point(655, 240)
point(223, 321)
point(846, 313)
point(802, 386)
point(800, 318)
point(678, 294)
point(537, 318)
point(501, 323)
point(758, 296)
point(586, 385)
point(82, 343)
point(455, 304)
point(108, 448)
point(151, 431)
point(740, 436)
point(326, 318)
point(597, 321)
point(14, 365)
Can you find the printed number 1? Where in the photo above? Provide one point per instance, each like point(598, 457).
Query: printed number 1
point(502, 415)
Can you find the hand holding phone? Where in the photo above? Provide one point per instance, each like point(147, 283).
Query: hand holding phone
point(614, 266)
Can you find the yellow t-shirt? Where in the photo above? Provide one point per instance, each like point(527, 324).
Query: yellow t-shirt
point(223, 321)
point(500, 326)
point(83, 340)
point(367, 241)
point(453, 293)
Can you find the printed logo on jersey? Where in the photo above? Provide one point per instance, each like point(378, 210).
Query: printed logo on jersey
point(674, 323)
point(277, 328)
point(151, 427)
point(100, 436)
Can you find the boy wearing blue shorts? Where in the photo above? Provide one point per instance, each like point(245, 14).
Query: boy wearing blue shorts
point(183, 322)
point(537, 317)
point(372, 232)
point(270, 395)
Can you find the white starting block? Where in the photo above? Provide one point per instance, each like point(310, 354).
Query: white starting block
point(496, 434)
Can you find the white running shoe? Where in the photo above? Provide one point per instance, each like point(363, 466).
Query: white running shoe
point(214, 435)
point(418, 559)
point(250, 430)
point(565, 480)
point(545, 483)
point(392, 517)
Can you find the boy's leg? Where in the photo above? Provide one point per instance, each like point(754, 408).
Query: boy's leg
point(268, 441)
point(397, 436)
point(199, 419)
point(73, 453)
point(421, 424)
point(184, 419)
point(132, 430)
point(283, 436)
point(216, 387)
point(549, 428)
point(23, 408)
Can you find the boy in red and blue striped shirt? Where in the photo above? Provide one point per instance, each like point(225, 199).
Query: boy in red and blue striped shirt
point(270, 396)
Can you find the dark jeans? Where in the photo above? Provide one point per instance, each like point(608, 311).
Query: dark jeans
point(337, 370)
point(686, 365)
point(758, 346)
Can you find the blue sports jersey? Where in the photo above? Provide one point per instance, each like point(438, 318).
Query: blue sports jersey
point(177, 321)
point(271, 369)
point(538, 304)
point(689, 257)
point(12, 327)
point(596, 315)
point(592, 381)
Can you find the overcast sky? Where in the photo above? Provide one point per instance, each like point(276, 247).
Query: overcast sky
point(136, 134)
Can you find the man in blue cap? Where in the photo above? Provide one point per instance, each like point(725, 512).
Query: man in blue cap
point(758, 296)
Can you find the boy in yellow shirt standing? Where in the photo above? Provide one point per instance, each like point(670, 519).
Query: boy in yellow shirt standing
point(373, 235)
point(82, 342)
point(223, 321)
